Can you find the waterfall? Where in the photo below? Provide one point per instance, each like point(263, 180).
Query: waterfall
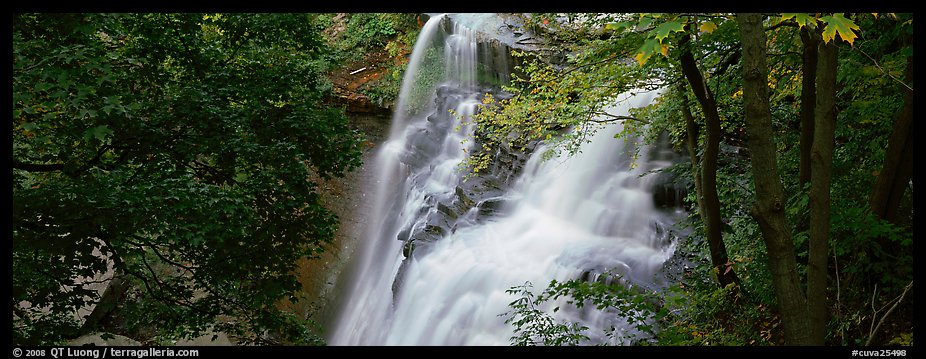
point(435, 264)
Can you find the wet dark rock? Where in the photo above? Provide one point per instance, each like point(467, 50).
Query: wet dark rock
point(490, 207)
point(408, 248)
point(464, 199)
point(424, 146)
point(447, 211)
point(669, 191)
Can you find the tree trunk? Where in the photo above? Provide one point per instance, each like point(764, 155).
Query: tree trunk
point(808, 101)
point(709, 201)
point(692, 145)
point(769, 207)
point(897, 169)
point(820, 183)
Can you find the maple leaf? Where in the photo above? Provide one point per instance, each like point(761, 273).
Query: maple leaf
point(663, 30)
point(837, 24)
point(802, 20)
point(708, 27)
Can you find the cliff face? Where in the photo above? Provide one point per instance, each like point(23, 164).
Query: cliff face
point(349, 81)
point(371, 70)
point(350, 197)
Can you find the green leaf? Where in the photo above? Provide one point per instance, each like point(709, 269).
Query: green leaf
point(802, 20)
point(645, 21)
point(617, 26)
point(837, 24)
point(650, 47)
point(42, 86)
point(29, 126)
point(99, 132)
point(663, 30)
point(87, 113)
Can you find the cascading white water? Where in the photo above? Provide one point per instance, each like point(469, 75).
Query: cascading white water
point(409, 80)
point(406, 183)
point(589, 213)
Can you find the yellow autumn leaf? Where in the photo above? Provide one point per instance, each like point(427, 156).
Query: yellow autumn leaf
point(837, 24)
point(641, 58)
point(708, 27)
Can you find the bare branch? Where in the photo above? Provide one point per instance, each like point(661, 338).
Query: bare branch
point(882, 69)
point(613, 118)
point(896, 302)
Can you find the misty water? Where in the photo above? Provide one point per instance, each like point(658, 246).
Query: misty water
point(562, 218)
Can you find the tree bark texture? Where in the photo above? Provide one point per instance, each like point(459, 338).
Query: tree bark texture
point(709, 201)
point(770, 202)
point(821, 164)
point(808, 100)
point(692, 134)
point(897, 169)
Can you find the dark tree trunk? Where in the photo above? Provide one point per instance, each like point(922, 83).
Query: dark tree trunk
point(808, 101)
point(691, 140)
point(897, 169)
point(770, 200)
point(709, 201)
point(820, 182)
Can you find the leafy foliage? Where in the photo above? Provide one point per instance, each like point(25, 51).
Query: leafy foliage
point(837, 24)
point(863, 273)
point(533, 325)
point(357, 37)
point(385, 90)
point(563, 107)
point(176, 153)
point(367, 29)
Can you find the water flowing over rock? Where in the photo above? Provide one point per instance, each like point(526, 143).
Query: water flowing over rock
point(442, 249)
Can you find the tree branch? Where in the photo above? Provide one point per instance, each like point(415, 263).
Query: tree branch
point(882, 69)
point(162, 285)
point(117, 260)
point(614, 118)
point(37, 167)
point(192, 270)
point(159, 254)
point(896, 301)
point(731, 56)
point(838, 293)
point(789, 23)
point(95, 160)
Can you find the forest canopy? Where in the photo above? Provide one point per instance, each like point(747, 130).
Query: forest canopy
point(177, 156)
